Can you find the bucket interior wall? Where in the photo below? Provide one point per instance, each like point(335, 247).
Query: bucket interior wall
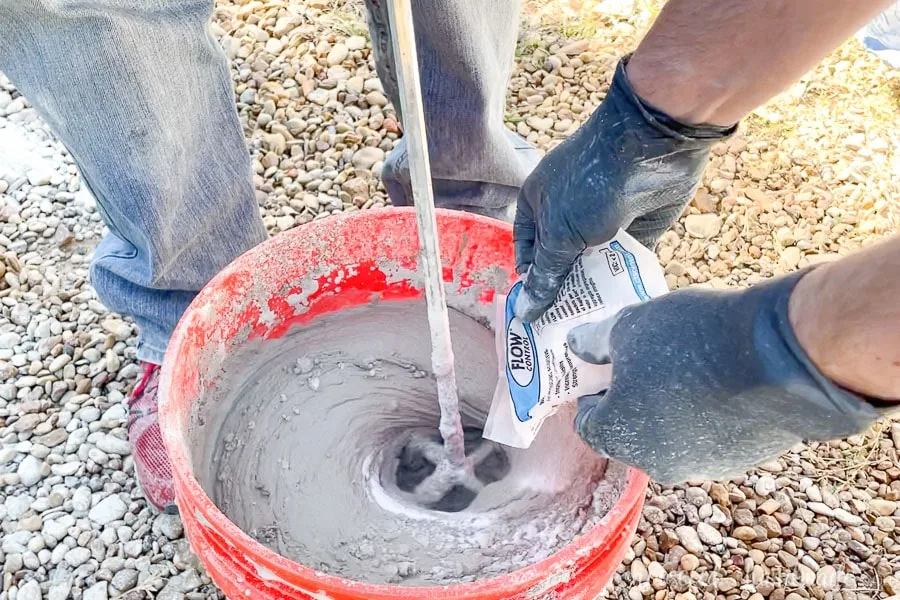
point(321, 269)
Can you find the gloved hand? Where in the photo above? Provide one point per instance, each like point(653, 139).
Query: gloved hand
point(707, 384)
point(630, 167)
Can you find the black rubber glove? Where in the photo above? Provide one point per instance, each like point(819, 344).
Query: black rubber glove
point(630, 167)
point(707, 384)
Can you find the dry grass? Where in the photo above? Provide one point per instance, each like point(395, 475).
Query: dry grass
point(584, 19)
point(347, 17)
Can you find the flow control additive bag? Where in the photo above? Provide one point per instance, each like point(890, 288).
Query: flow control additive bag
point(538, 372)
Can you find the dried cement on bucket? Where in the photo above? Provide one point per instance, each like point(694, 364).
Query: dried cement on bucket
point(298, 440)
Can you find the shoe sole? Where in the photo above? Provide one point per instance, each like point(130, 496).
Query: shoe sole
point(168, 509)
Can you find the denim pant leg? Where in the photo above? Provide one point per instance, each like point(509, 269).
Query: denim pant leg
point(140, 93)
point(466, 52)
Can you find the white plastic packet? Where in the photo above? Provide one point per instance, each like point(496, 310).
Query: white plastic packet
point(538, 373)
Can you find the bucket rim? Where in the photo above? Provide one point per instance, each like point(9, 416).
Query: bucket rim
point(196, 505)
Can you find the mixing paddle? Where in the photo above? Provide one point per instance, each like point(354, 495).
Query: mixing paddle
point(453, 469)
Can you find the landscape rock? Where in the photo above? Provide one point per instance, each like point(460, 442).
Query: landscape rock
point(807, 179)
point(108, 510)
point(689, 539)
point(703, 226)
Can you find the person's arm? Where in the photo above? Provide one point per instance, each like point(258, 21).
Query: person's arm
point(714, 61)
point(847, 317)
point(636, 162)
point(707, 384)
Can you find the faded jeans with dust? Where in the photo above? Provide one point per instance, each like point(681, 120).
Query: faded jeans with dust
point(140, 93)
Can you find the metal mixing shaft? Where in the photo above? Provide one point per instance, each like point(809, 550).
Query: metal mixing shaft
point(407, 65)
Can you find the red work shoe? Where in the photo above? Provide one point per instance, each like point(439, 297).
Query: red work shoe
point(154, 473)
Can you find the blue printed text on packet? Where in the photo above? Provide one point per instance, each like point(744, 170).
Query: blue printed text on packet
point(521, 360)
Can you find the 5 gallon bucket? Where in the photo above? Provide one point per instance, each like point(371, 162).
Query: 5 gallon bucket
point(339, 262)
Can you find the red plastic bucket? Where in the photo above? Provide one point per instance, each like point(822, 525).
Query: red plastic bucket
point(343, 254)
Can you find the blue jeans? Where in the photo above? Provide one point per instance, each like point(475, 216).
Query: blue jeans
point(140, 93)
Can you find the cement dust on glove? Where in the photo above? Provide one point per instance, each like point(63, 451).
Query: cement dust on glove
point(538, 371)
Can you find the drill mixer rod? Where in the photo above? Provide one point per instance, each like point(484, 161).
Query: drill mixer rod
point(406, 61)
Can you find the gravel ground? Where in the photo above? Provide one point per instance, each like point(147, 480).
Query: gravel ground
point(807, 179)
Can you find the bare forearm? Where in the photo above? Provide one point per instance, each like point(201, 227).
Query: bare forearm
point(847, 318)
point(714, 61)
